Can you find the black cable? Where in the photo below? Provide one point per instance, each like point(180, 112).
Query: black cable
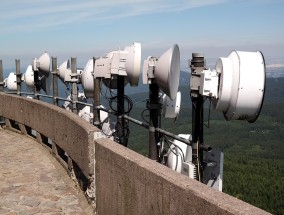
point(142, 116)
point(176, 146)
point(113, 100)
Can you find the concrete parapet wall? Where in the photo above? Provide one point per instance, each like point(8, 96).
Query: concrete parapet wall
point(124, 181)
point(71, 133)
point(129, 183)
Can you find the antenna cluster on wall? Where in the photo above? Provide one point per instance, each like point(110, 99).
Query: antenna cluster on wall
point(236, 87)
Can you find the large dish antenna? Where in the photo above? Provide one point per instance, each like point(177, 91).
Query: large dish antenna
point(241, 85)
point(237, 85)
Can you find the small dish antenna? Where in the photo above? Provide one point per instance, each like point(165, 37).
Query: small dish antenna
point(63, 69)
point(87, 79)
point(11, 82)
point(42, 64)
point(133, 63)
point(43, 77)
point(29, 78)
point(165, 70)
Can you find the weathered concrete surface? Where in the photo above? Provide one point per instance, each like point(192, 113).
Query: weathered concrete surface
point(66, 129)
point(124, 181)
point(30, 183)
point(128, 183)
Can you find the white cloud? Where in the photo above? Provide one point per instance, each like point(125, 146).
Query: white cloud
point(34, 15)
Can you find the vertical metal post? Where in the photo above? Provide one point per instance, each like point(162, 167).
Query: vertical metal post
point(1, 77)
point(155, 114)
point(37, 84)
point(55, 81)
point(197, 66)
point(2, 121)
point(121, 124)
point(74, 92)
point(18, 77)
point(97, 102)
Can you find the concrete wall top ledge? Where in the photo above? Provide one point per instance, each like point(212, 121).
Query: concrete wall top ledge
point(177, 194)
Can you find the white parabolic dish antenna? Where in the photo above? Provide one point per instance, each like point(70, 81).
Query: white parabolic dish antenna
point(42, 64)
point(87, 79)
point(29, 78)
point(167, 71)
point(133, 63)
point(241, 85)
point(62, 69)
point(11, 82)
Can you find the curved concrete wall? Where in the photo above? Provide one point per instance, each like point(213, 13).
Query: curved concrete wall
point(124, 181)
point(74, 135)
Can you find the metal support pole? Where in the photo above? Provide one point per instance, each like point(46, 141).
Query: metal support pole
point(18, 77)
point(121, 124)
point(74, 92)
point(97, 102)
point(37, 85)
point(55, 81)
point(197, 66)
point(155, 114)
point(2, 120)
point(1, 77)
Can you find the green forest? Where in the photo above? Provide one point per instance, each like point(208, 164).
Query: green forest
point(253, 152)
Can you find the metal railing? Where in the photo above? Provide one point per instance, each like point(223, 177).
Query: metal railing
point(74, 97)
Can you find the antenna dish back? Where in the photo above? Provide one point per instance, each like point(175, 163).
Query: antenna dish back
point(241, 85)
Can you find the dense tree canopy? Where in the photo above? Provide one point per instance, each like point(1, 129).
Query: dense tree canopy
point(254, 153)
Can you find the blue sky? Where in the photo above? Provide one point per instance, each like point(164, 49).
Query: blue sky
point(90, 28)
